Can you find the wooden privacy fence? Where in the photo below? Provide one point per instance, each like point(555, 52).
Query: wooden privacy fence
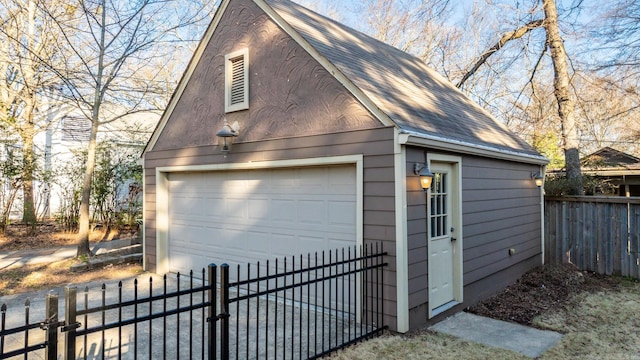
point(595, 233)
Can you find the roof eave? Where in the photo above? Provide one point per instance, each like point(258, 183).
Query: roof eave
point(424, 140)
point(611, 172)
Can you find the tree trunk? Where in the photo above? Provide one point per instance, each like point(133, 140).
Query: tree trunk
point(28, 130)
point(562, 92)
point(83, 226)
point(28, 208)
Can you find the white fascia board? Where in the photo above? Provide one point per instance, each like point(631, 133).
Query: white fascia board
point(328, 65)
point(438, 143)
point(177, 94)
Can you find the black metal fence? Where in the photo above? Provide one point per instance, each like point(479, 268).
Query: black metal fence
point(297, 307)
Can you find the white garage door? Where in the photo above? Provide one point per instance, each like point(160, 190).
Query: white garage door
point(247, 216)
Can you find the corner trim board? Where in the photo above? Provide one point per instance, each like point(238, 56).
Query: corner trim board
point(402, 252)
point(144, 214)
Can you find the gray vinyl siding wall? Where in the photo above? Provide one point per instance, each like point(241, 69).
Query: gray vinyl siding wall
point(500, 210)
point(375, 145)
point(417, 240)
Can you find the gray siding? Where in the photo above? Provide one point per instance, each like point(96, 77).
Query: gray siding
point(500, 210)
point(379, 206)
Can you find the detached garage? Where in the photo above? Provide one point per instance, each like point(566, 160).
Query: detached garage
point(290, 133)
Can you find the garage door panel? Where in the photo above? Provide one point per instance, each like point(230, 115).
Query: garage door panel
point(281, 210)
point(341, 213)
point(241, 217)
point(311, 211)
point(235, 208)
point(258, 208)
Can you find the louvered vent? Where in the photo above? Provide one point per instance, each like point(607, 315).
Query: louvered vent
point(236, 81)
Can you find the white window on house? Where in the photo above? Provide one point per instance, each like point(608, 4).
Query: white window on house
point(76, 129)
point(236, 90)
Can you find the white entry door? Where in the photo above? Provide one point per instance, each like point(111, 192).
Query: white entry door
point(441, 239)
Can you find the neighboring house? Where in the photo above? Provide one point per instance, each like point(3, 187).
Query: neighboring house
point(620, 170)
point(331, 124)
point(66, 136)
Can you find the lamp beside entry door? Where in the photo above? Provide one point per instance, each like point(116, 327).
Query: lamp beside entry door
point(425, 175)
point(538, 179)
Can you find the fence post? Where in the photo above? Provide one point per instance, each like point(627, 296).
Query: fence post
point(213, 316)
point(70, 308)
point(224, 307)
point(51, 325)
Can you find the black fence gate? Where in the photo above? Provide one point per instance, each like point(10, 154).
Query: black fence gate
point(298, 308)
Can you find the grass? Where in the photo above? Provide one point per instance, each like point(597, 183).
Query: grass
point(424, 345)
point(45, 276)
point(598, 326)
point(601, 325)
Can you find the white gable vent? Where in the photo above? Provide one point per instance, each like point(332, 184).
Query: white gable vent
point(236, 80)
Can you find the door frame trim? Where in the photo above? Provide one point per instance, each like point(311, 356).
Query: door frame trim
point(162, 192)
point(456, 222)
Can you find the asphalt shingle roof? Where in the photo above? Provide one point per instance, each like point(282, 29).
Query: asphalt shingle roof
point(416, 98)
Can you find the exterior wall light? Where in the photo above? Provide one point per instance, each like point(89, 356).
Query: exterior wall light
point(537, 178)
point(226, 135)
point(426, 176)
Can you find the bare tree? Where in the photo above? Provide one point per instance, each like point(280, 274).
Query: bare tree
point(607, 107)
point(620, 36)
point(28, 46)
point(109, 45)
point(561, 81)
point(562, 90)
point(416, 27)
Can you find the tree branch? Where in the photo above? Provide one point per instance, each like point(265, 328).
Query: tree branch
point(511, 35)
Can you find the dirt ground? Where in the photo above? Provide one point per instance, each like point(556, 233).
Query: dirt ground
point(49, 234)
point(545, 288)
point(41, 276)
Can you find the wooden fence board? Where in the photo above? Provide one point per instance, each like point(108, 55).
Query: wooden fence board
point(634, 243)
point(599, 234)
point(602, 246)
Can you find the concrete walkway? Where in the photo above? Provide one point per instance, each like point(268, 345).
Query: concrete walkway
point(502, 334)
point(9, 259)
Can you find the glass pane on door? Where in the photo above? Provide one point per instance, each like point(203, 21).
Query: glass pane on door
point(439, 217)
